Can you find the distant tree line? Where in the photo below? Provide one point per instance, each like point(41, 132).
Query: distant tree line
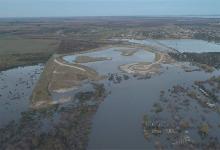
point(206, 37)
point(210, 58)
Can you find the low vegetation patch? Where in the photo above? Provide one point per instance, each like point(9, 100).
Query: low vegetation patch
point(206, 61)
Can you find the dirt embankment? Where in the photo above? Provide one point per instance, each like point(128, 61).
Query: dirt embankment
point(59, 76)
point(144, 68)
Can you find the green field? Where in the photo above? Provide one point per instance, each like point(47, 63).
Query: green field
point(19, 51)
point(23, 46)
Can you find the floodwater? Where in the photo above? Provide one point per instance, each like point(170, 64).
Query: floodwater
point(182, 45)
point(118, 121)
point(16, 86)
point(154, 43)
point(190, 45)
point(117, 59)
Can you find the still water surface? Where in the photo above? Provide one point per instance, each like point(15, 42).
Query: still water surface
point(16, 86)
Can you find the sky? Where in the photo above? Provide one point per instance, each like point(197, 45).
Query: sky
point(71, 8)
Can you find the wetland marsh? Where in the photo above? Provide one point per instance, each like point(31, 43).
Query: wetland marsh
point(16, 87)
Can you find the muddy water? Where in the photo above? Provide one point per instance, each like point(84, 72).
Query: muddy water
point(118, 121)
point(16, 86)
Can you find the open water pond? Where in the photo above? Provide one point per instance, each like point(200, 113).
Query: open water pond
point(115, 58)
point(182, 45)
point(190, 45)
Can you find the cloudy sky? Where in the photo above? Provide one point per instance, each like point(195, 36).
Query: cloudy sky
point(59, 8)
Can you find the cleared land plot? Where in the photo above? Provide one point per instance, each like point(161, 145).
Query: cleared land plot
point(19, 52)
point(23, 46)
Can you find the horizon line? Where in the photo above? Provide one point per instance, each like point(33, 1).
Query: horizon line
point(216, 16)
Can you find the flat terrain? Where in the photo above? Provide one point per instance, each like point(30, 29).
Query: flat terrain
point(23, 46)
point(110, 82)
point(20, 51)
point(27, 41)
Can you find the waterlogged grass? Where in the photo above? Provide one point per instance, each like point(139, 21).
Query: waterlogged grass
point(59, 126)
point(206, 67)
point(204, 129)
point(14, 60)
point(157, 57)
point(87, 59)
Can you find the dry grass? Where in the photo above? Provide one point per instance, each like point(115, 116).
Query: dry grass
point(56, 77)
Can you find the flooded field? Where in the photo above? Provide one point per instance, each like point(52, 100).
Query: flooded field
point(153, 111)
point(190, 45)
point(118, 121)
point(16, 88)
point(122, 98)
